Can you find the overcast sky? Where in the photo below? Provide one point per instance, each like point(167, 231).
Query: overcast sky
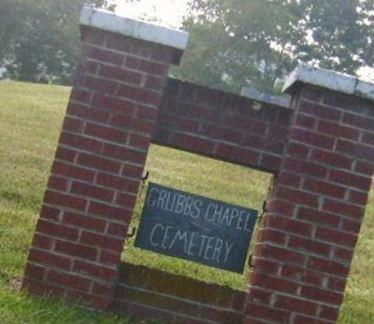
point(170, 13)
point(167, 12)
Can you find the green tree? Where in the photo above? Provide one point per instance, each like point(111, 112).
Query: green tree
point(39, 39)
point(239, 42)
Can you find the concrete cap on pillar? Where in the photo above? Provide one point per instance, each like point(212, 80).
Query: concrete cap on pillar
point(120, 24)
point(332, 80)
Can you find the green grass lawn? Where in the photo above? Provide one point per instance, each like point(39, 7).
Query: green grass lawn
point(30, 121)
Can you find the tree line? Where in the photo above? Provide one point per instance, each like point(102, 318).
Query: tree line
point(232, 42)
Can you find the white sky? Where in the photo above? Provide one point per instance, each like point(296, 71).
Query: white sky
point(167, 12)
point(171, 12)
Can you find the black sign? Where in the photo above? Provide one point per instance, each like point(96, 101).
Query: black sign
point(195, 228)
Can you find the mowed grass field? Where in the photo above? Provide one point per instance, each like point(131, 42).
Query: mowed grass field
point(30, 121)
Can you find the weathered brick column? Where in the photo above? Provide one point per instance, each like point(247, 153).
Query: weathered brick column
point(100, 157)
point(317, 202)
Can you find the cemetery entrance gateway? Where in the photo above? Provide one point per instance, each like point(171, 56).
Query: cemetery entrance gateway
point(320, 150)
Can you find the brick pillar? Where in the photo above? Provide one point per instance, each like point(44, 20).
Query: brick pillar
point(100, 157)
point(317, 202)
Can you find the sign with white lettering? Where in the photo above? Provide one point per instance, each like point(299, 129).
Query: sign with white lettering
point(195, 228)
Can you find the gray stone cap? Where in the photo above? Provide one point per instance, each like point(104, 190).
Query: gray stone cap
point(335, 81)
point(110, 21)
point(253, 93)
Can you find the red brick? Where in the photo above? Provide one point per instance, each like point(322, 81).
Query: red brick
point(42, 242)
point(65, 154)
point(146, 66)
point(267, 313)
point(76, 249)
point(329, 313)
point(331, 159)
point(194, 143)
point(322, 295)
point(296, 273)
point(337, 130)
point(266, 266)
point(235, 153)
point(325, 188)
point(122, 75)
point(311, 138)
point(244, 124)
point(270, 235)
point(33, 271)
point(113, 104)
point(68, 280)
point(80, 95)
point(319, 111)
point(288, 225)
point(350, 179)
point(83, 221)
point(154, 83)
point(289, 179)
point(280, 207)
point(216, 131)
point(140, 142)
point(318, 217)
point(101, 241)
point(99, 163)
point(72, 171)
point(119, 230)
point(363, 122)
point(356, 150)
point(110, 258)
point(116, 182)
point(328, 266)
point(94, 270)
point(107, 211)
point(80, 142)
point(259, 296)
point(124, 154)
point(126, 200)
point(365, 167)
point(94, 37)
point(337, 237)
point(280, 254)
point(57, 183)
point(88, 113)
point(351, 226)
point(343, 254)
point(297, 196)
point(88, 299)
point(297, 150)
point(339, 207)
point(57, 230)
point(50, 213)
point(131, 123)
point(146, 112)
point(99, 84)
point(106, 133)
point(132, 171)
point(92, 191)
point(53, 260)
point(140, 95)
point(102, 289)
point(273, 283)
point(306, 245)
point(305, 121)
point(368, 138)
point(337, 284)
point(296, 305)
point(304, 167)
point(102, 55)
point(72, 125)
point(358, 198)
point(64, 200)
point(301, 319)
point(270, 162)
